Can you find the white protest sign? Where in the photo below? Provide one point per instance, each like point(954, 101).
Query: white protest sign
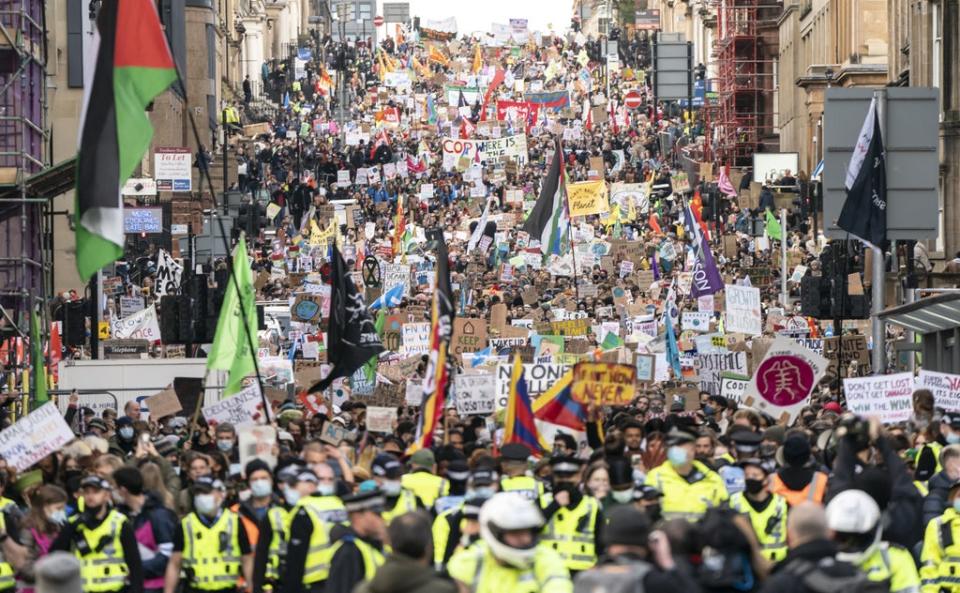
point(784, 379)
point(732, 388)
point(945, 389)
point(475, 394)
point(30, 439)
point(698, 321)
point(257, 442)
point(381, 419)
point(142, 325)
point(798, 273)
point(130, 305)
point(888, 396)
point(169, 273)
point(625, 193)
point(705, 303)
point(711, 366)
point(539, 378)
point(343, 177)
point(494, 149)
point(743, 310)
point(246, 407)
point(416, 338)
point(414, 392)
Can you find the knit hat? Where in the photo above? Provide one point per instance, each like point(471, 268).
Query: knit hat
point(626, 526)
point(795, 451)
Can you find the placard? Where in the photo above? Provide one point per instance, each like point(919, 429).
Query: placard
point(416, 338)
point(30, 439)
point(698, 321)
point(169, 274)
point(246, 407)
point(469, 335)
point(888, 396)
point(732, 388)
point(162, 404)
point(603, 383)
point(743, 310)
point(333, 433)
point(413, 395)
point(710, 367)
point(945, 388)
point(646, 366)
point(587, 197)
point(381, 419)
point(784, 379)
point(539, 378)
point(257, 442)
point(475, 394)
point(130, 305)
point(142, 325)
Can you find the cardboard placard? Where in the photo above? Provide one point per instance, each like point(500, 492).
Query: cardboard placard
point(604, 383)
point(333, 434)
point(164, 403)
point(381, 419)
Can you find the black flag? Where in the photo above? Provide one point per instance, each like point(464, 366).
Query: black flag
point(352, 338)
point(864, 212)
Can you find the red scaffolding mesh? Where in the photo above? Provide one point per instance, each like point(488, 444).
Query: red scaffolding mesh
point(743, 113)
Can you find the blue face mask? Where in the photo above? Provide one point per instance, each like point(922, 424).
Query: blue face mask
point(292, 495)
point(953, 438)
point(224, 445)
point(261, 488)
point(677, 456)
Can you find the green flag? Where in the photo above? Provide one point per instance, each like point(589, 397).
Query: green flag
point(38, 362)
point(231, 344)
point(611, 341)
point(773, 227)
point(370, 368)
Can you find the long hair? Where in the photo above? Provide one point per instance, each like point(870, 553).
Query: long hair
point(37, 518)
point(153, 482)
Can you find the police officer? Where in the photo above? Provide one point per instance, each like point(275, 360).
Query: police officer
point(103, 541)
point(458, 475)
point(387, 473)
point(573, 519)
point(689, 487)
point(458, 526)
point(421, 479)
point(647, 500)
point(745, 443)
point(854, 518)
point(358, 551)
point(271, 547)
point(634, 556)
point(309, 540)
point(210, 544)
point(941, 549)
point(767, 512)
point(509, 558)
point(513, 466)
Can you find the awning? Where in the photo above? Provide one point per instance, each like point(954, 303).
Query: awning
point(929, 315)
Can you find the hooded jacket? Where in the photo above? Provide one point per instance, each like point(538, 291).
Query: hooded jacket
point(400, 574)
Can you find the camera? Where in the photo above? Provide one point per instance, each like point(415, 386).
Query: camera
point(856, 429)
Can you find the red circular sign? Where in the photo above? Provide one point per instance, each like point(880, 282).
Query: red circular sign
point(377, 21)
point(633, 100)
point(784, 380)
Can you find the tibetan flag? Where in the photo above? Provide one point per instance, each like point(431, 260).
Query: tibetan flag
point(557, 405)
point(519, 425)
point(132, 65)
point(38, 362)
point(477, 60)
point(436, 379)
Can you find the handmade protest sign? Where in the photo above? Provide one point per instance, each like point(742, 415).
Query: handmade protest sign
point(945, 388)
point(784, 379)
point(602, 383)
point(743, 310)
point(246, 407)
point(30, 439)
point(888, 396)
point(476, 394)
point(257, 442)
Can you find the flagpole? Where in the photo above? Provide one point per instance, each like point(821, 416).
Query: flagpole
point(784, 268)
point(205, 172)
point(878, 355)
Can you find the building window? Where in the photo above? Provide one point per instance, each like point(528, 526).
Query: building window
point(603, 25)
point(936, 49)
point(366, 12)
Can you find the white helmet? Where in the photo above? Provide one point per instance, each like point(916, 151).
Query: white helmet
point(854, 516)
point(509, 511)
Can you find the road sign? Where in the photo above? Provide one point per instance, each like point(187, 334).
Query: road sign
point(672, 74)
point(396, 12)
point(633, 100)
point(910, 144)
point(377, 21)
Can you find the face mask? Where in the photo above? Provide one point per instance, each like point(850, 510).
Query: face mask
point(638, 476)
point(325, 489)
point(291, 495)
point(753, 486)
point(483, 492)
point(58, 517)
point(244, 495)
point(622, 496)
point(953, 438)
point(676, 455)
point(261, 488)
point(768, 450)
point(205, 504)
point(708, 410)
point(391, 488)
point(654, 512)
point(224, 445)
point(956, 504)
point(126, 433)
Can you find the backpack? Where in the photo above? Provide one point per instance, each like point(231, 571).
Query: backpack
point(726, 555)
point(830, 575)
point(615, 577)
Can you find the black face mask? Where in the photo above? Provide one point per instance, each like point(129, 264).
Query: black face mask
point(767, 451)
point(753, 486)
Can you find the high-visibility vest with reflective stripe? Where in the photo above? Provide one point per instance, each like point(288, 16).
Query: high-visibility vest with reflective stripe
point(211, 555)
point(102, 567)
point(316, 568)
point(813, 492)
point(893, 565)
point(406, 503)
point(770, 525)
point(330, 509)
point(529, 487)
point(426, 486)
point(372, 557)
point(685, 499)
point(278, 542)
point(478, 569)
point(7, 580)
point(571, 533)
point(940, 558)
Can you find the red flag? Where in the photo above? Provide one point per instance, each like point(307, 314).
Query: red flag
point(654, 223)
point(498, 77)
point(54, 350)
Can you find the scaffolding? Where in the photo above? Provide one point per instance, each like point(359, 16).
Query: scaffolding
point(744, 113)
point(24, 224)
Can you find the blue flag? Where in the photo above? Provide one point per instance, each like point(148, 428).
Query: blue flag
point(389, 299)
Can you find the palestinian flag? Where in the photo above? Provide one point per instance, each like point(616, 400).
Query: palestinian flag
point(131, 66)
point(548, 220)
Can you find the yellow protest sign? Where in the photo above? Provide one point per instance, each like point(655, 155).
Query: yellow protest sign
point(588, 197)
point(604, 383)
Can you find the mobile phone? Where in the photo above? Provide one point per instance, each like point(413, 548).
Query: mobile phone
point(635, 460)
point(144, 438)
